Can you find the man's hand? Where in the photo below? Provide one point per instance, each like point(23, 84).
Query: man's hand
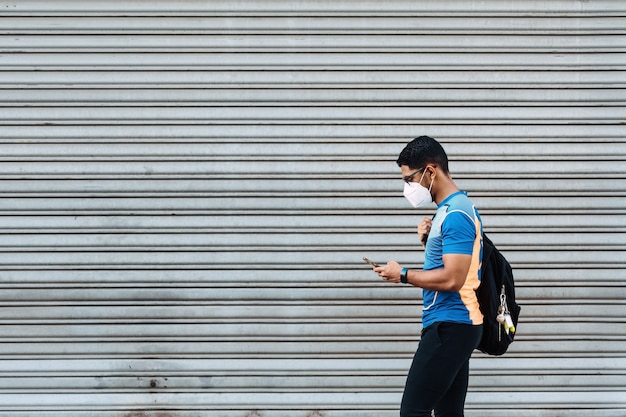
point(390, 272)
point(423, 229)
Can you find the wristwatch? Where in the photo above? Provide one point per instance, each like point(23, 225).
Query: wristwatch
point(403, 277)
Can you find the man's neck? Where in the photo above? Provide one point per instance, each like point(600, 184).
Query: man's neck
point(445, 190)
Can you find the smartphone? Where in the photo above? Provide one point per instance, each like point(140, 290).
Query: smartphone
point(370, 262)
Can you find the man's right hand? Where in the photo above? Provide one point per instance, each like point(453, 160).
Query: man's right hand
point(423, 229)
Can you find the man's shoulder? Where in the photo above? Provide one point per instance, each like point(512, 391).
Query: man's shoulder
point(460, 202)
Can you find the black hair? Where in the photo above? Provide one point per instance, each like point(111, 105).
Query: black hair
point(422, 151)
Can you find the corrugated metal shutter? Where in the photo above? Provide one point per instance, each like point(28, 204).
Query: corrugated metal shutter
point(187, 189)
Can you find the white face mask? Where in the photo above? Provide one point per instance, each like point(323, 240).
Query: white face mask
point(417, 194)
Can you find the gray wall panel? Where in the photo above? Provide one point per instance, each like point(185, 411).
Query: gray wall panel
point(187, 189)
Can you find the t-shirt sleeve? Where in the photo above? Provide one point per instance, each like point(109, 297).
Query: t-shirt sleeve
point(459, 233)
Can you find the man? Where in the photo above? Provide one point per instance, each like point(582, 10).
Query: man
point(452, 321)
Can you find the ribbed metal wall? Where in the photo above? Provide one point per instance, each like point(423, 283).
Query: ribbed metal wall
point(187, 189)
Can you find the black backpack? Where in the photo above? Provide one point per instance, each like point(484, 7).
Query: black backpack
point(496, 296)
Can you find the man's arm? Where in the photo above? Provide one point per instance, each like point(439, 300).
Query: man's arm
point(449, 278)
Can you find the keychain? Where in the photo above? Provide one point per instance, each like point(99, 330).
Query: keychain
point(504, 316)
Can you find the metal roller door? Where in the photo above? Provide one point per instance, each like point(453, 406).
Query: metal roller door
point(187, 189)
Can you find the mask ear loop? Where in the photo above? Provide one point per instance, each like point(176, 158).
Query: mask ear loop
point(432, 180)
point(422, 177)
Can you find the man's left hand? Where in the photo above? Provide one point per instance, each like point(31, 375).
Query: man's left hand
point(390, 272)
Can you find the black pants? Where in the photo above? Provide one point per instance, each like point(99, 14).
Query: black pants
point(439, 373)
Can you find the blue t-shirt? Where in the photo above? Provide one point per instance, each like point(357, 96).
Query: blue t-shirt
point(456, 229)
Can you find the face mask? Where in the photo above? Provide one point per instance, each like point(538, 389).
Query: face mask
point(417, 194)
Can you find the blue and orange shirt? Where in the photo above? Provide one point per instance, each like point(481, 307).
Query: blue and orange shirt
point(456, 229)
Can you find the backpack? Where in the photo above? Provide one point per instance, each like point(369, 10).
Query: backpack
point(496, 297)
